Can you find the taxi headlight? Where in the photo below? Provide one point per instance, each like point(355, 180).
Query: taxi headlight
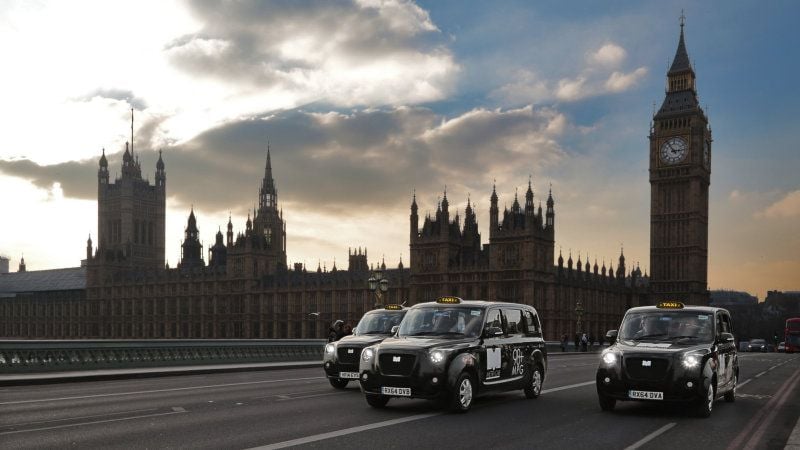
point(367, 354)
point(437, 356)
point(610, 358)
point(691, 361)
point(329, 349)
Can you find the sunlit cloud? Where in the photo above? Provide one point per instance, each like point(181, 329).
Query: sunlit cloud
point(786, 207)
point(597, 77)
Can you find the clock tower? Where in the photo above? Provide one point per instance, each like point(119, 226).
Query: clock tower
point(680, 174)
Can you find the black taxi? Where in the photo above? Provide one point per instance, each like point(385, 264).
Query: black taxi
point(452, 349)
point(340, 359)
point(670, 352)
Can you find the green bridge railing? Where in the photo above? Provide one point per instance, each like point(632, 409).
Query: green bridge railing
point(37, 356)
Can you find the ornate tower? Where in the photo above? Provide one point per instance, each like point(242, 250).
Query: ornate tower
point(680, 174)
point(130, 214)
point(192, 249)
point(262, 249)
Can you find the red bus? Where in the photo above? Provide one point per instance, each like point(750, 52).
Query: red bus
point(792, 335)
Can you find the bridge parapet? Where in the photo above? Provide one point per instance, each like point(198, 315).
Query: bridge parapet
point(28, 356)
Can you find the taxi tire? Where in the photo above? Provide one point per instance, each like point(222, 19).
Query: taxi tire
point(532, 391)
point(606, 403)
point(705, 404)
point(338, 383)
point(730, 396)
point(465, 385)
point(377, 401)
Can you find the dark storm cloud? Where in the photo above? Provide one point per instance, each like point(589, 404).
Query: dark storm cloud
point(334, 162)
point(117, 94)
point(297, 44)
point(75, 177)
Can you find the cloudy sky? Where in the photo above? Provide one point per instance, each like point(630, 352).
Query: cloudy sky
point(364, 101)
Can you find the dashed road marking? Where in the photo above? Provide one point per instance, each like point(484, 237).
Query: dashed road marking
point(650, 436)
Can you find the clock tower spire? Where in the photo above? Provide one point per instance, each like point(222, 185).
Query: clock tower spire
point(680, 174)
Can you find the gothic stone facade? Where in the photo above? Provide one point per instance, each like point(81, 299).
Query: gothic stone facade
point(247, 290)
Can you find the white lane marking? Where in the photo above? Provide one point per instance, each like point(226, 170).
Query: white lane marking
point(759, 375)
point(744, 382)
point(92, 423)
point(387, 423)
point(116, 394)
point(14, 425)
point(346, 431)
point(650, 436)
point(178, 409)
point(571, 386)
point(300, 397)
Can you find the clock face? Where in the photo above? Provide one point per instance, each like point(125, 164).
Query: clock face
point(673, 150)
point(706, 153)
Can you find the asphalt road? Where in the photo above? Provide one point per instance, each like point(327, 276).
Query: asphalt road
point(297, 407)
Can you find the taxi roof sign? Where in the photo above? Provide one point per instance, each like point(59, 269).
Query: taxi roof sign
point(448, 300)
point(670, 305)
point(393, 307)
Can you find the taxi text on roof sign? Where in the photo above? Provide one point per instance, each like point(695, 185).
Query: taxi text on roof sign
point(670, 305)
point(448, 300)
point(393, 307)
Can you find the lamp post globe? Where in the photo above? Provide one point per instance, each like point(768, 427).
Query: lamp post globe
point(373, 283)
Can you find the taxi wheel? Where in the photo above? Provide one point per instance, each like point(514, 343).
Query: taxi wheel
point(338, 383)
point(464, 393)
point(534, 388)
point(730, 396)
point(606, 403)
point(377, 401)
point(706, 403)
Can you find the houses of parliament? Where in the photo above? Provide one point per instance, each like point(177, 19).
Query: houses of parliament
point(245, 289)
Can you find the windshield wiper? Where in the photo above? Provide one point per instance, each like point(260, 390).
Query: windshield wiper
point(648, 336)
point(683, 337)
point(423, 333)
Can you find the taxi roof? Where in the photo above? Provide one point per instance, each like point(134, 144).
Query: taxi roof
point(471, 303)
point(708, 309)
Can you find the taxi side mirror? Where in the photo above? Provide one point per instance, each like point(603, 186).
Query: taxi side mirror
point(395, 329)
point(492, 332)
point(611, 337)
point(725, 338)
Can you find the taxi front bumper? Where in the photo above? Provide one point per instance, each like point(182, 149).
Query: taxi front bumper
point(425, 379)
point(334, 365)
point(677, 384)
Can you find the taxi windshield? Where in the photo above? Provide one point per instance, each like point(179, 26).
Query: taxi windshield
point(379, 322)
point(683, 326)
point(455, 321)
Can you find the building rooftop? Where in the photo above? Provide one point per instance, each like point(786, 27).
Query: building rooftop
point(43, 280)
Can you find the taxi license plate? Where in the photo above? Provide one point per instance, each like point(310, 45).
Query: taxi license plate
point(348, 375)
point(646, 395)
point(404, 392)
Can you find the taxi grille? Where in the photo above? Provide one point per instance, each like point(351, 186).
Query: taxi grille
point(396, 364)
point(345, 357)
point(638, 369)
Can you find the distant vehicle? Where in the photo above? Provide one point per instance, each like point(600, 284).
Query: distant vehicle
point(782, 347)
point(792, 335)
point(340, 359)
point(743, 345)
point(670, 353)
point(451, 350)
point(757, 345)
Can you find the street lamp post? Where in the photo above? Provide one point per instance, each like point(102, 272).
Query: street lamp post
point(379, 286)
